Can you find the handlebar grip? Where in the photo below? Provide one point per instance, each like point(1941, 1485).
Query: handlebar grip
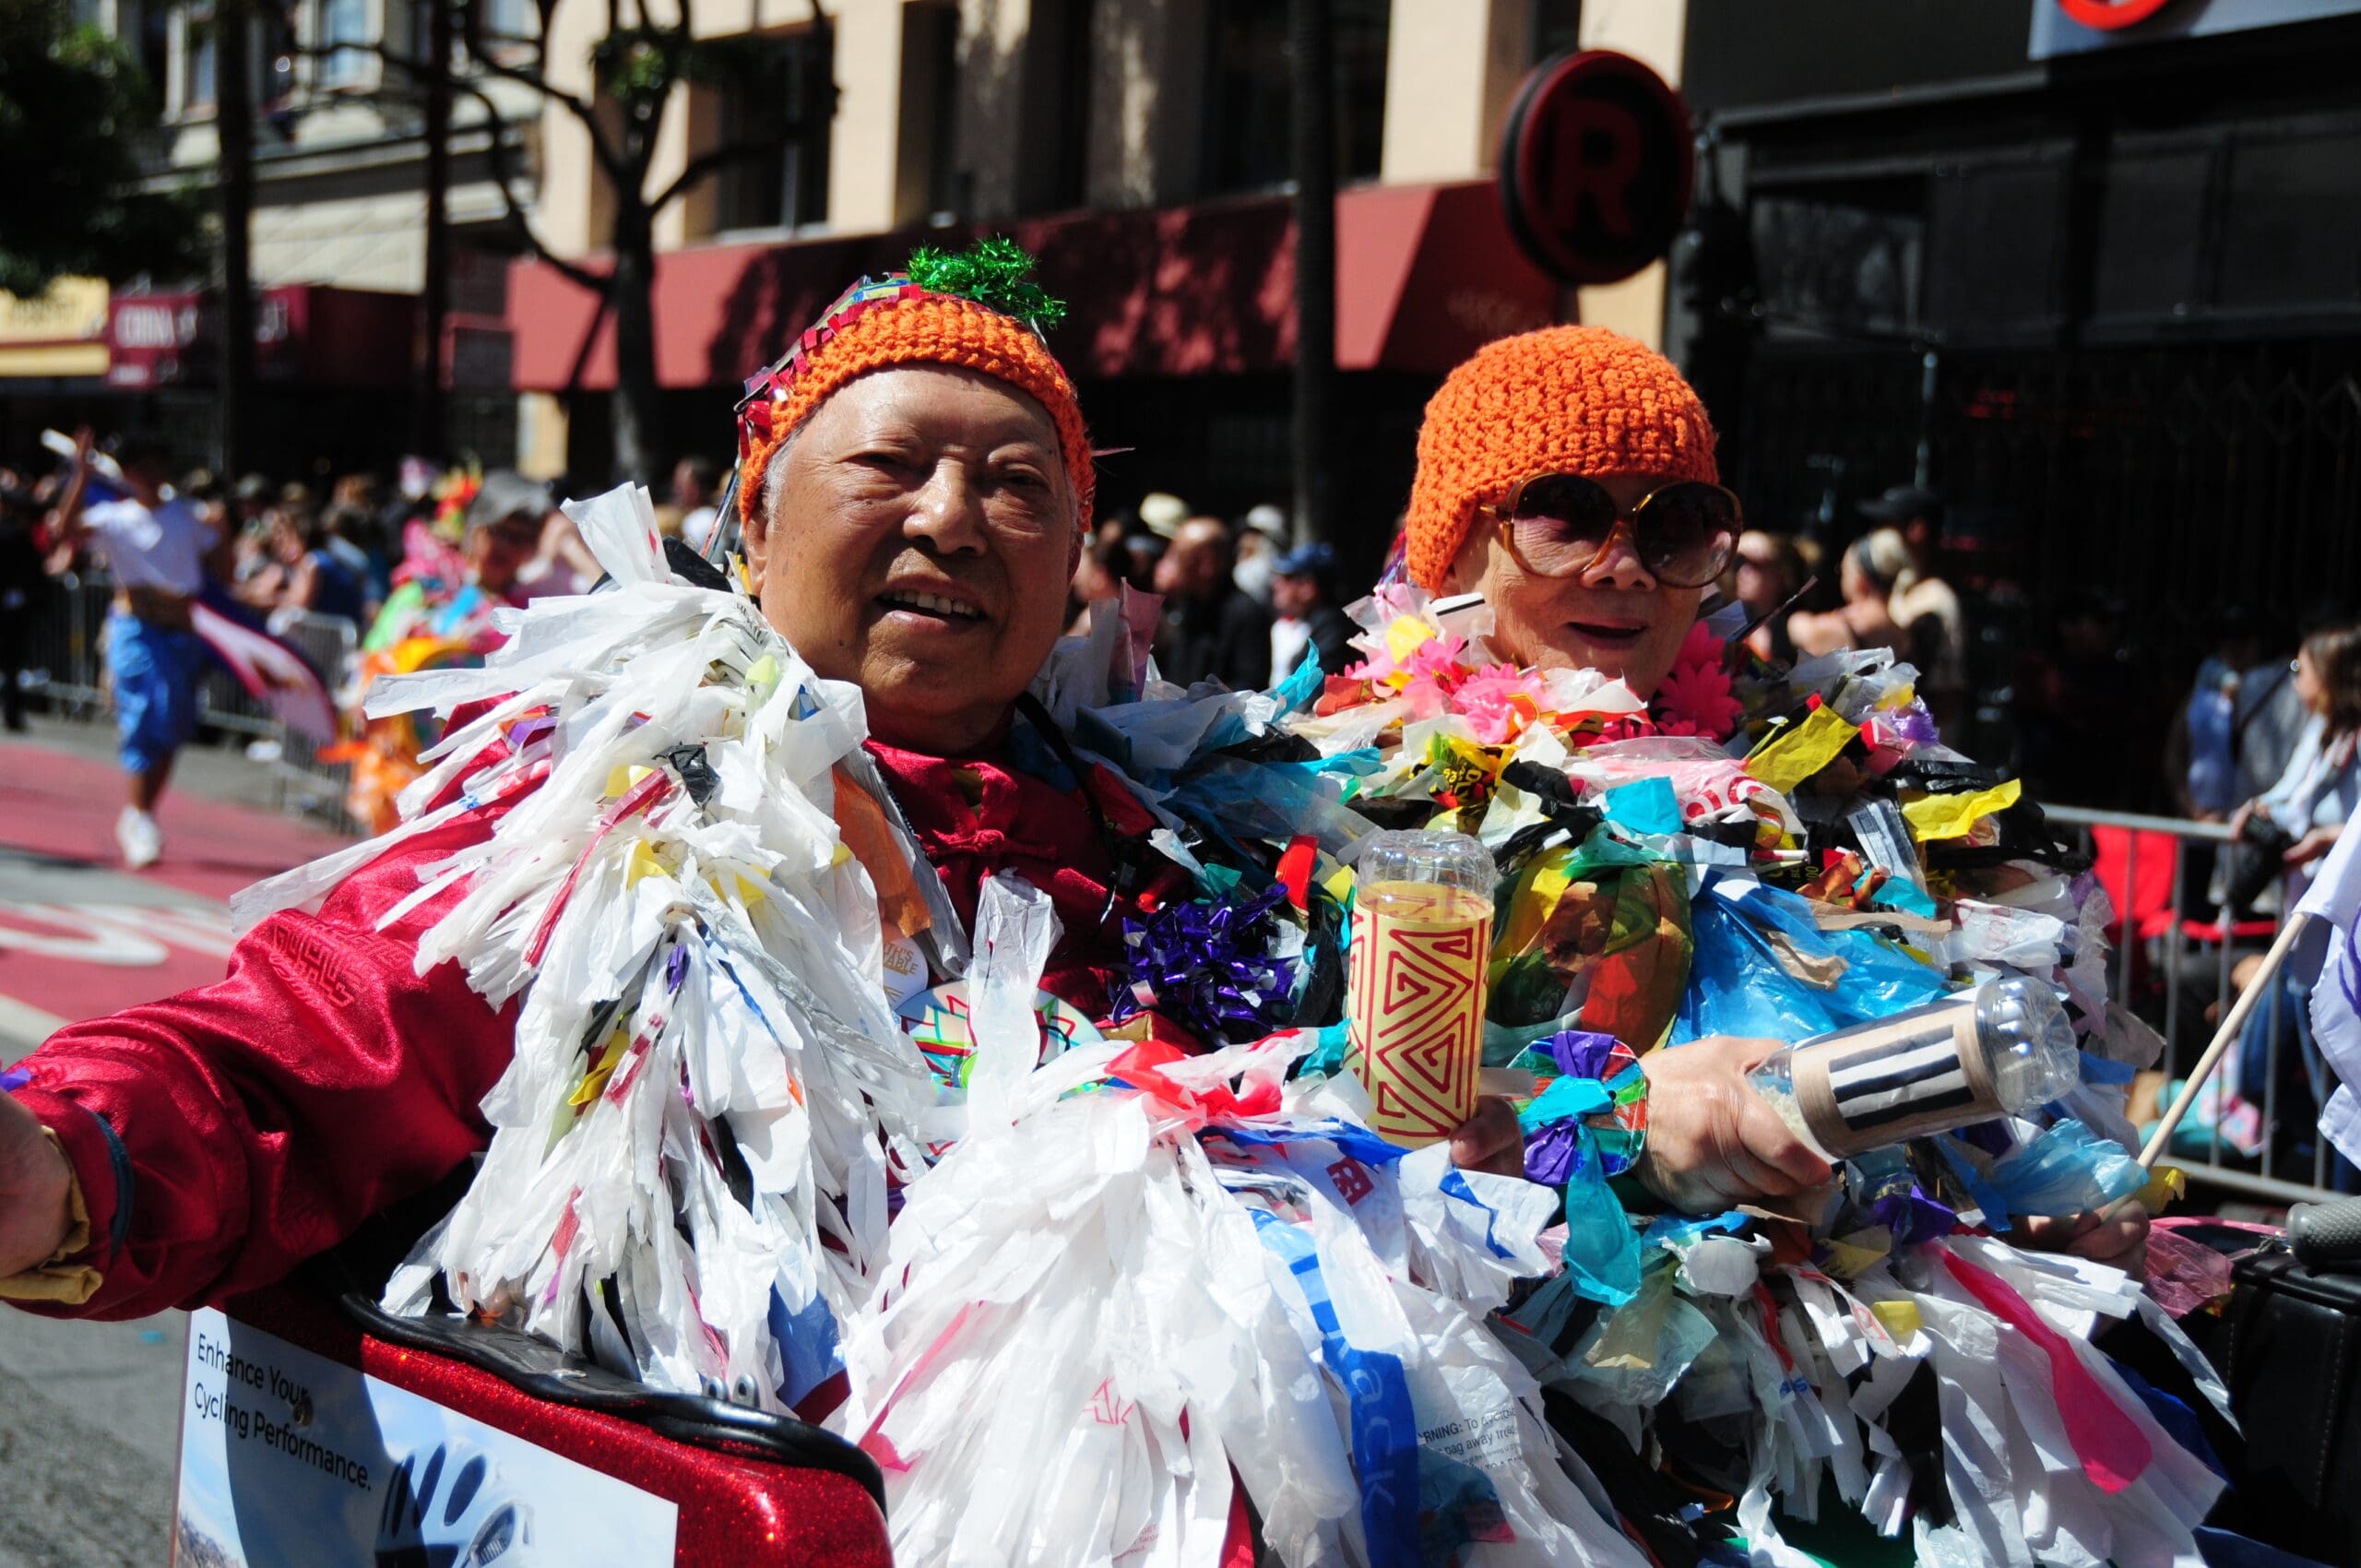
point(2325, 1236)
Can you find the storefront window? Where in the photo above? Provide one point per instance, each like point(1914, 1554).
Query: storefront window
point(344, 34)
point(781, 94)
point(505, 20)
point(1249, 92)
point(197, 41)
point(275, 34)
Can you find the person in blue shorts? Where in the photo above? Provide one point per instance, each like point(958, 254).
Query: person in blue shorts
point(155, 550)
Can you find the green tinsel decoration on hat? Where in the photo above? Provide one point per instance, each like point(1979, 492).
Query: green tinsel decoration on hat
point(994, 272)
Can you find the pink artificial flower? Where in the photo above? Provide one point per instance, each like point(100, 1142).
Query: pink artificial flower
point(1695, 698)
point(1426, 674)
point(1436, 659)
point(1498, 701)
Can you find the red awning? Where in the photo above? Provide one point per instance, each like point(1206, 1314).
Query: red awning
point(1424, 275)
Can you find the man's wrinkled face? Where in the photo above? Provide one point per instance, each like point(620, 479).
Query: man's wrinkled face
point(919, 544)
point(1612, 616)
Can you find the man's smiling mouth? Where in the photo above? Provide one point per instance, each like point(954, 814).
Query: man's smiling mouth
point(929, 604)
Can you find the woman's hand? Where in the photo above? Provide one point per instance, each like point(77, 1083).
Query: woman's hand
point(1490, 1140)
point(2121, 1241)
point(2240, 817)
point(1712, 1140)
point(34, 1182)
point(2311, 845)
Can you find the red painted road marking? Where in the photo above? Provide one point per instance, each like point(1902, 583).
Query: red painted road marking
point(74, 954)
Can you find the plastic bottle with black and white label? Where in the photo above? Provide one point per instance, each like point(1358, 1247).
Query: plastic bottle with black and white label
point(2000, 1049)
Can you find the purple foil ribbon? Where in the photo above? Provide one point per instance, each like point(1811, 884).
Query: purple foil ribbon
point(1913, 1217)
point(1207, 964)
point(1913, 724)
point(1581, 1053)
point(14, 1078)
point(1554, 1154)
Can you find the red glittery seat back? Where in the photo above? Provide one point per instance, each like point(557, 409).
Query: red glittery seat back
point(734, 1509)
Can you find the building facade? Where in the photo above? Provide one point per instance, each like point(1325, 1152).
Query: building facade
point(337, 245)
point(1140, 149)
point(2098, 285)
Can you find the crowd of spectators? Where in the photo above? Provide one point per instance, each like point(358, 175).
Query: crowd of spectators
point(2088, 706)
point(1242, 605)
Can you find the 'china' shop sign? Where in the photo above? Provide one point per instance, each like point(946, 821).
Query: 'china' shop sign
point(156, 340)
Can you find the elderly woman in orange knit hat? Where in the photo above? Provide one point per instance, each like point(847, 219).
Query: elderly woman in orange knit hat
point(915, 486)
point(1568, 476)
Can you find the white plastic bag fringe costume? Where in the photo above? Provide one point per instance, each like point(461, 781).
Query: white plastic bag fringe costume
point(688, 1174)
point(1146, 1287)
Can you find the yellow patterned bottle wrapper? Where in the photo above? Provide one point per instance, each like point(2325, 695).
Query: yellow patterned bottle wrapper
point(1415, 1005)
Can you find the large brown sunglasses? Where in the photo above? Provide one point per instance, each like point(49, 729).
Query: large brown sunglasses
point(1684, 533)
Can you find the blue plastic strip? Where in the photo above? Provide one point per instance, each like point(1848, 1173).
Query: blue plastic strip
point(1384, 1425)
point(808, 1347)
point(1359, 1142)
point(1454, 1185)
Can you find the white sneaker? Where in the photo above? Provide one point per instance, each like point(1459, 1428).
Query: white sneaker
point(142, 841)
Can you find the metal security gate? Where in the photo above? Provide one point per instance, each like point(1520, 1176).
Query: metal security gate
point(2175, 479)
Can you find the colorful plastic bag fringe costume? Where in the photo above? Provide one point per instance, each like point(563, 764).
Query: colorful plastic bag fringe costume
point(1143, 1289)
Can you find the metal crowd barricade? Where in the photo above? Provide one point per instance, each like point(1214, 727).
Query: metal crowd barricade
point(62, 660)
point(2174, 954)
point(66, 664)
point(331, 644)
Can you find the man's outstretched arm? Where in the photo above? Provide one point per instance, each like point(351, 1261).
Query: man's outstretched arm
point(213, 1140)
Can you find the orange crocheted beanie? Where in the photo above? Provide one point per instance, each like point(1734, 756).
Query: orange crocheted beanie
point(1565, 400)
point(891, 321)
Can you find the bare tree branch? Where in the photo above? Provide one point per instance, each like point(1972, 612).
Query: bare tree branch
point(584, 110)
point(513, 212)
point(707, 163)
point(497, 151)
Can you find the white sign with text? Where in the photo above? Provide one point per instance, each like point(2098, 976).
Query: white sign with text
point(290, 1461)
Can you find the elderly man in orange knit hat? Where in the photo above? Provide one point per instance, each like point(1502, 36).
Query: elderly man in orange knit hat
point(915, 486)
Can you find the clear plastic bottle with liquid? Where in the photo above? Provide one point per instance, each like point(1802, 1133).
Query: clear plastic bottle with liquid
point(1421, 937)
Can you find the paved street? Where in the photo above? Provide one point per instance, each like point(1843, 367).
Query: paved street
point(90, 1413)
